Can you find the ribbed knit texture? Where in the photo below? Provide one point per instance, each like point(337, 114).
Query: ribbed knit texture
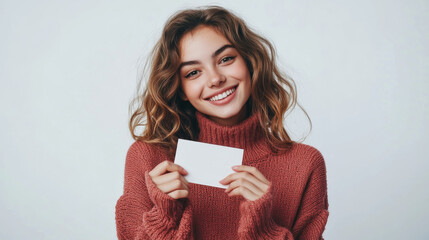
point(295, 206)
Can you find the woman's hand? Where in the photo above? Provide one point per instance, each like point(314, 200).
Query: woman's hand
point(247, 182)
point(168, 177)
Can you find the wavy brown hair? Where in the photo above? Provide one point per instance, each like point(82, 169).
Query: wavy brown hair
point(164, 114)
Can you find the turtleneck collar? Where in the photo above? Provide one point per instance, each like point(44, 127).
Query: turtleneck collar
point(247, 135)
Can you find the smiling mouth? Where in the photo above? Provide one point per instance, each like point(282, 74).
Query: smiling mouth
point(223, 95)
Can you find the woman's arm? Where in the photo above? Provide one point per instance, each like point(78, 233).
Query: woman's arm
point(256, 221)
point(144, 211)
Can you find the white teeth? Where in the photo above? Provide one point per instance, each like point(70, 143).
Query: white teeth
point(222, 95)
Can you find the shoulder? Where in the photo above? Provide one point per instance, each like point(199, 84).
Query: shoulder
point(144, 148)
point(145, 153)
point(306, 150)
point(140, 147)
point(306, 155)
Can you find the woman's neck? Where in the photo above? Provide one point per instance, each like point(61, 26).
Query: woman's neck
point(247, 134)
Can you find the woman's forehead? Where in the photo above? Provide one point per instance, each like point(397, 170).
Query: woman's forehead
point(202, 41)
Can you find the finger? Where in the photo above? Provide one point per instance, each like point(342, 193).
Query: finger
point(165, 166)
point(159, 169)
point(252, 170)
point(244, 183)
point(175, 167)
point(172, 186)
point(244, 192)
point(235, 176)
point(168, 177)
point(179, 194)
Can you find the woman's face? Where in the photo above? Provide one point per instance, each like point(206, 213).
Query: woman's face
point(214, 76)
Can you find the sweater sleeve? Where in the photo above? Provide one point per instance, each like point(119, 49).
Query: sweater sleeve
point(256, 221)
point(144, 211)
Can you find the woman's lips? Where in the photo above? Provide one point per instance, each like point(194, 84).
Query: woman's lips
point(219, 93)
point(225, 100)
point(222, 95)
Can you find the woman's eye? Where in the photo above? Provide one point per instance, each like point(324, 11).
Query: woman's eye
point(226, 59)
point(193, 73)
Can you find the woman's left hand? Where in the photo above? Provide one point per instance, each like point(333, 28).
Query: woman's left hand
point(247, 182)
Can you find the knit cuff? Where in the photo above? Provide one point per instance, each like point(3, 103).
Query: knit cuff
point(256, 220)
point(166, 205)
point(169, 218)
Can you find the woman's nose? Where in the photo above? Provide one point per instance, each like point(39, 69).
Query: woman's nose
point(216, 78)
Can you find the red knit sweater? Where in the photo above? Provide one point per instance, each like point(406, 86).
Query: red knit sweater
point(295, 206)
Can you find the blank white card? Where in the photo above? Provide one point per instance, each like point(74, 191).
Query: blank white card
point(207, 164)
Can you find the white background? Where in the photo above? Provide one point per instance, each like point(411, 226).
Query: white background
point(68, 71)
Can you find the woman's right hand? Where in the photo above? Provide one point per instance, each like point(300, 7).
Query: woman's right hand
point(168, 177)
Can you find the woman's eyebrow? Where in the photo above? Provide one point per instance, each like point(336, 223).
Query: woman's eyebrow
point(220, 50)
point(216, 53)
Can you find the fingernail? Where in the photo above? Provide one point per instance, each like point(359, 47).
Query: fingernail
point(235, 167)
point(186, 172)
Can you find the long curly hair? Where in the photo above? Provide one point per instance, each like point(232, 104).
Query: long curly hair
point(163, 113)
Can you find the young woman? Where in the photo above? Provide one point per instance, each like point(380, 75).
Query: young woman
point(214, 80)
